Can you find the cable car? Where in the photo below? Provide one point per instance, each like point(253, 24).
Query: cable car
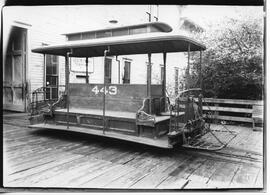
point(140, 113)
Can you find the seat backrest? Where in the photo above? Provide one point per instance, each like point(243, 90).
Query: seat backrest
point(127, 97)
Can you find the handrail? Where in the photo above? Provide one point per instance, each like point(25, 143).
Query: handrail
point(143, 106)
point(38, 105)
point(142, 117)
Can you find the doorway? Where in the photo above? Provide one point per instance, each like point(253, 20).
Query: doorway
point(14, 73)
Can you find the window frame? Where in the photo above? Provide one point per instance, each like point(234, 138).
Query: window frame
point(161, 72)
point(129, 73)
point(52, 75)
point(110, 70)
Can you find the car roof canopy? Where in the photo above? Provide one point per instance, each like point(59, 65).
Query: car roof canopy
point(124, 45)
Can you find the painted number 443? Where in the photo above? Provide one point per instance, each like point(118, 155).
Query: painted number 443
point(112, 90)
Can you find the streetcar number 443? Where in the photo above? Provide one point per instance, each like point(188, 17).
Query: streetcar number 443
point(112, 90)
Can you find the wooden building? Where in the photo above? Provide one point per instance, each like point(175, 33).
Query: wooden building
point(24, 71)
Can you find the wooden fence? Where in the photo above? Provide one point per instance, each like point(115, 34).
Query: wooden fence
point(233, 109)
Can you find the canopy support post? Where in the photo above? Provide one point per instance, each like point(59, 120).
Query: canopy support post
point(164, 80)
point(187, 70)
point(104, 89)
point(200, 70)
point(67, 72)
point(86, 71)
point(149, 73)
point(118, 69)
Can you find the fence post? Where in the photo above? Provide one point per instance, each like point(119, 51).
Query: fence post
point(216, 113)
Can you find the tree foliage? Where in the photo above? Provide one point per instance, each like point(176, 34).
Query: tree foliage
point(232, 65)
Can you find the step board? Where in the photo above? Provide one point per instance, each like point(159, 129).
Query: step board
point(159, 142)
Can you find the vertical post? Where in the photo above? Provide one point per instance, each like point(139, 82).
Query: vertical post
point(200, 70)
point(164, 80)
point(86, 71)
point(187, 71)
point(104, 90)
point(67, 86)
point(118, 69)
point(200, 80)
point(66, 72)
point(149, 73)
point(176, 78)
point(44, 76)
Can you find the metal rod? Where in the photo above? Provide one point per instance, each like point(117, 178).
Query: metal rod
point(157, 12)
point(104, 89)
point(150, 13)
point(86, 71)
point(44, 93)
point(33, 102)
point(50, 93)
point(164, 80)
point(149, 73)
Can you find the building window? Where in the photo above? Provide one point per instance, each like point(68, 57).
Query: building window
point(108, 70)
point(51, 62)
point(126, 77)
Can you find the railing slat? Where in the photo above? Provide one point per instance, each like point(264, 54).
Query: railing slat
point(227, 109)
point(233, 101)
point(234, 118)
point(223, 108)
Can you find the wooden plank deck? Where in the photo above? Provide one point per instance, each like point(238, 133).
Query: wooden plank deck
point(51, 158)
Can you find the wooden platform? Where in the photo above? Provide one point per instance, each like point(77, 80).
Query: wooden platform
point(36, 157)
point(121, 125)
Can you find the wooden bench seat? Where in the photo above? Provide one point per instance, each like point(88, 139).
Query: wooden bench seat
point(98, 112)
point(108, 113)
